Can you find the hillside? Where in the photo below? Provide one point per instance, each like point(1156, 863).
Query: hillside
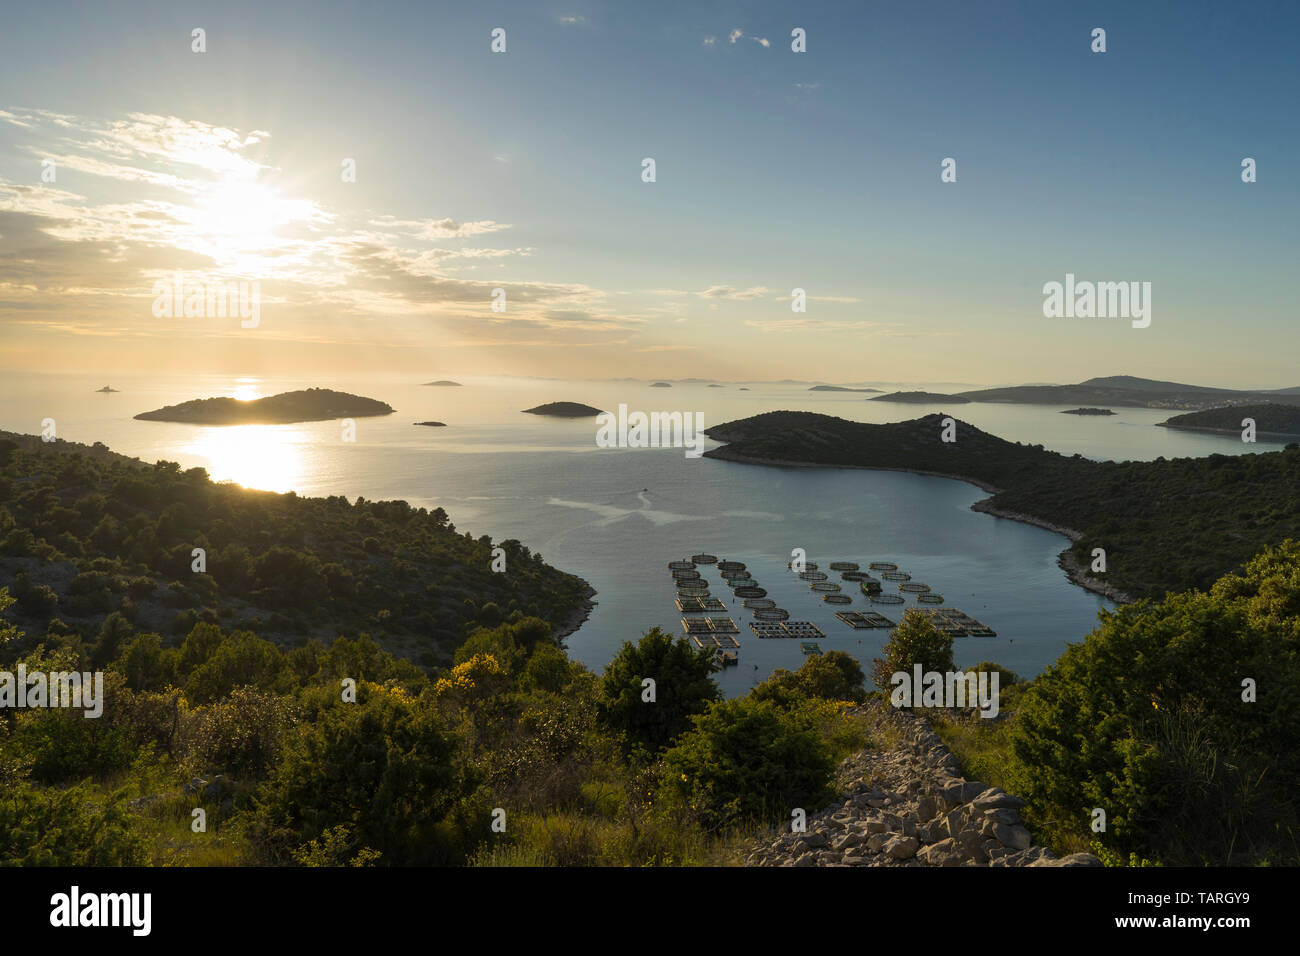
point(1125, 390)
point(920, 398)
point(1165, 525)
point(85, 533)
point(306, 405)
point(1280, 422)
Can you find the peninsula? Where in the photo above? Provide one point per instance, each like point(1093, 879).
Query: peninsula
point(840, 388)
point(1165, 525)
point(1278, 422)
point(306, 405)
point(920, 398)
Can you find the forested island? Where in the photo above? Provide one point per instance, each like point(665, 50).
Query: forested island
point(305, 405)
point(1166, 525)
point(445, 383)
point(1125, 390)
point(564, 410)
point(840, 388)
point(1087, 411)
point(1279, 422)
point(920, 398)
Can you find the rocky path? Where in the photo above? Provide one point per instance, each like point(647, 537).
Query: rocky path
point(909, 806)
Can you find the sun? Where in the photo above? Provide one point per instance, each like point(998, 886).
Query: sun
point(238, 212)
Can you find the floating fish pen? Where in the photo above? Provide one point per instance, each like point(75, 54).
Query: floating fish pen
point(913, 587)
point(856, 576)
point(736, 583)
point(772, 614)
point(929, 598)
point(837, 599)
point(807, 565)
point(983, 632)
point(751, 592)
point(813, 575)
point(691, 575)
point(768, 630)
point(731, 566)
point(732, 574)
point(727, 658)
point(827, 587)
point(870, 587)
point(864, 620)
point(755, 604)
point(696, 625)
point(714, 641)
point(698, 605)
point(681, 566)
point(693, 592)
point(896, 576)
point(704, 558)
point(882, 566)
point(844, 566)
point(804, 629)
point(885, 598)
point(723, 625)
point(810, 647)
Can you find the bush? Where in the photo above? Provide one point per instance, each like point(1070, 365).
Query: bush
point(915, 641)
point(41, 827)
point(748, 760)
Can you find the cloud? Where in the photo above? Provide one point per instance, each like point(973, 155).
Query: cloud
point(438, 228)
point(729, 292)
point(572, 21)
point(735, 35)
point(807, 86)
point(762, 41)
point(708, 41)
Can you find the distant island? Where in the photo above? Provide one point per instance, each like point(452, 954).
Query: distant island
point(1124, 390)
point(1166, 525)
point(1281, 422)
point(433, 424)
point(445, 382)
point(660, 385)
point(840, 388)
point(306, 405)
point(1087, 411)
point(564, 410)
point(920, 398)
point(717, 386)
point(743, 388)
point(106, 388)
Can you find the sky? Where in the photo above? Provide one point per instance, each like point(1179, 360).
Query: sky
point(775, 170)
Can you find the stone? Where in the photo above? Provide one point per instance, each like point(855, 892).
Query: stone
point(807, 859)
point(877, 841)
point(926, 809)
point(1016, 837)
point(943, 853)
point(815, 838)
point(1079, 859)
point(902, 847)
point(995, 798)
point(1003, 815)
point(972, 845)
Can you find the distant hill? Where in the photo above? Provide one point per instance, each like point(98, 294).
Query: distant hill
point(661, 385)
point(1127, 391)
point(307, 405)
point(564, 410)
point(840, 388)
point(1271, 421)
point(1165, 525)
point(444, 383)
point(920, 398)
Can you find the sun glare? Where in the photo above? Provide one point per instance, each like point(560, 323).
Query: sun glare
point(265, 457)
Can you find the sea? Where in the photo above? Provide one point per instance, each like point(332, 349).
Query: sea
point(616, 516)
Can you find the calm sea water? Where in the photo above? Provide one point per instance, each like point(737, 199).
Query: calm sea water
point(617, 516)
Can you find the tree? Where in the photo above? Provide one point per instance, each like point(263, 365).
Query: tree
point(683, 686)
point(834, 675)
point(915, 641)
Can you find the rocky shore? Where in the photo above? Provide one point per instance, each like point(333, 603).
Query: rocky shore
point(910, 806)
point(577, 617)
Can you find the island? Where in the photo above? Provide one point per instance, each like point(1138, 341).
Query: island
point(1272, 421)
point(305, 405)
point(660, 385)
point(1132, 392)
point(840, 388)
point(444, 383)
point(106, 388)
point(717, 386)
point(1087, 411)
point(1165, 525)
point(920, 398)
point(564, 410)
point(433, 424)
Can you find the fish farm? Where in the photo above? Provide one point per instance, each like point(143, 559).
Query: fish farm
point(703, 559)
point(882, 566)
point(885, 598)
point(837, 599)
point(913, 587)
point(755, 603)
point(791, 629)
point(862, 620)
point(844, 566)
point(896, 576)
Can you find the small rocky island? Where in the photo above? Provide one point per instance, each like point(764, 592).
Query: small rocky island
point(717, 386)
point(305, 405)
point(106, 388)
point(443, 383)
point(433, 424)
point(661, 385)
point(564, 410)
point(920, 398)
point(1087, 411)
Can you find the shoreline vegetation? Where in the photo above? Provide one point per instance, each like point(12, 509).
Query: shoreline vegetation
point(1273, 422)
point(1164, 525)
point(304, 405)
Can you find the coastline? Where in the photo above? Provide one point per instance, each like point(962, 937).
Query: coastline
point(1272, 436)
point(577, 617)
point(1066, 561)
